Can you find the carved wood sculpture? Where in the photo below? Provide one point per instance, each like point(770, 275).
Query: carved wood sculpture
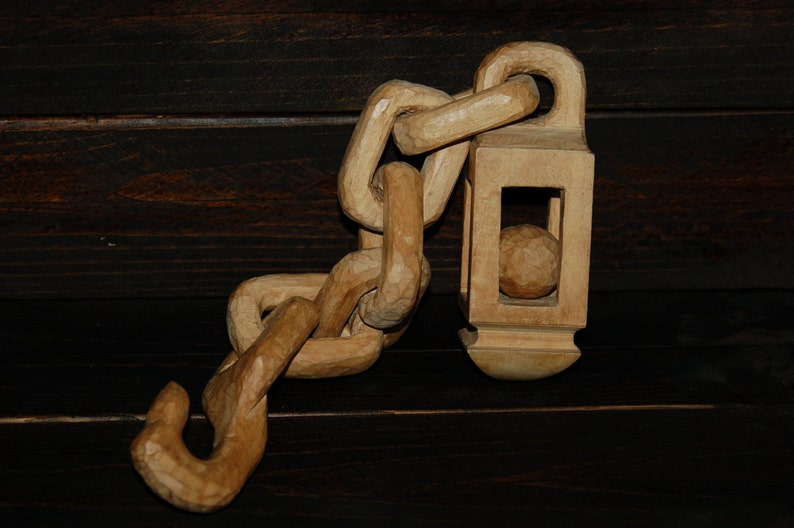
point(335, 324)
point(529, 334)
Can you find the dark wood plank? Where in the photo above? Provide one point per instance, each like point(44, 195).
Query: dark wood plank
point(110, 358)
point(688, 201)
point(680, 412)
point(201, 202)
point(75, 58)
point(136, 209)
point(727, 467)
point(207, 7)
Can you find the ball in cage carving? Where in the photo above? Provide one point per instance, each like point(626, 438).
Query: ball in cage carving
point(529, 262)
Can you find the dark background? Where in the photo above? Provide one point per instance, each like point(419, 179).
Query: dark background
point(155, 154)
point(161, 149)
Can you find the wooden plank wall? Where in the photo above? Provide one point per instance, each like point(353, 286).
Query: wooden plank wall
point(174, 149)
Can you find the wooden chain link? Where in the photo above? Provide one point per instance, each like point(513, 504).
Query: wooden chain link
point(235, 401)
point(469, 114)
point(323, 325)
point(401, 258)
point(384, 106)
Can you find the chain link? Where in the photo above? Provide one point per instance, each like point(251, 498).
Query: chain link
point(468, 115)
point(401, 258)
point(368, 141)
point(343, 319)
point(375, 289)
point(548, 60)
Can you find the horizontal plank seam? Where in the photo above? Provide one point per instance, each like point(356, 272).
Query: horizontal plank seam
point(491, 410)
point(138, 122)
point(156, 121)
point(69, 419)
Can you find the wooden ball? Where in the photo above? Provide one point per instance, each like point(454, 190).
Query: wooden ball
point(529, 261)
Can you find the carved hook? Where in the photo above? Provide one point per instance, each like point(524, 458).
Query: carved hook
point(235, 401)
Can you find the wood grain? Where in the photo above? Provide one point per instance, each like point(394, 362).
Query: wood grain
point(682, 467)
point(154, 154)
point(680, 412)
point(283, 57)
point(681, 201)
point(111, 357)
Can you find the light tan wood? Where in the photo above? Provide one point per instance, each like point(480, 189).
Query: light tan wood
point(440, 170)
point(235, 401)
point(508, 354)
point(437, 127)
point(526, 294)
point(529, 262)
point(353, 276)
point(553, 62)
point(334, 351)
point(393, 334)
point(328, 357)
point(336, 295)
point(258, 295)
point(401, 260)
point(519, 338)
point(355, 346)
point(369, 239)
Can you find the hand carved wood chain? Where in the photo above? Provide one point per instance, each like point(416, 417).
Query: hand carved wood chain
point(323, 325)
